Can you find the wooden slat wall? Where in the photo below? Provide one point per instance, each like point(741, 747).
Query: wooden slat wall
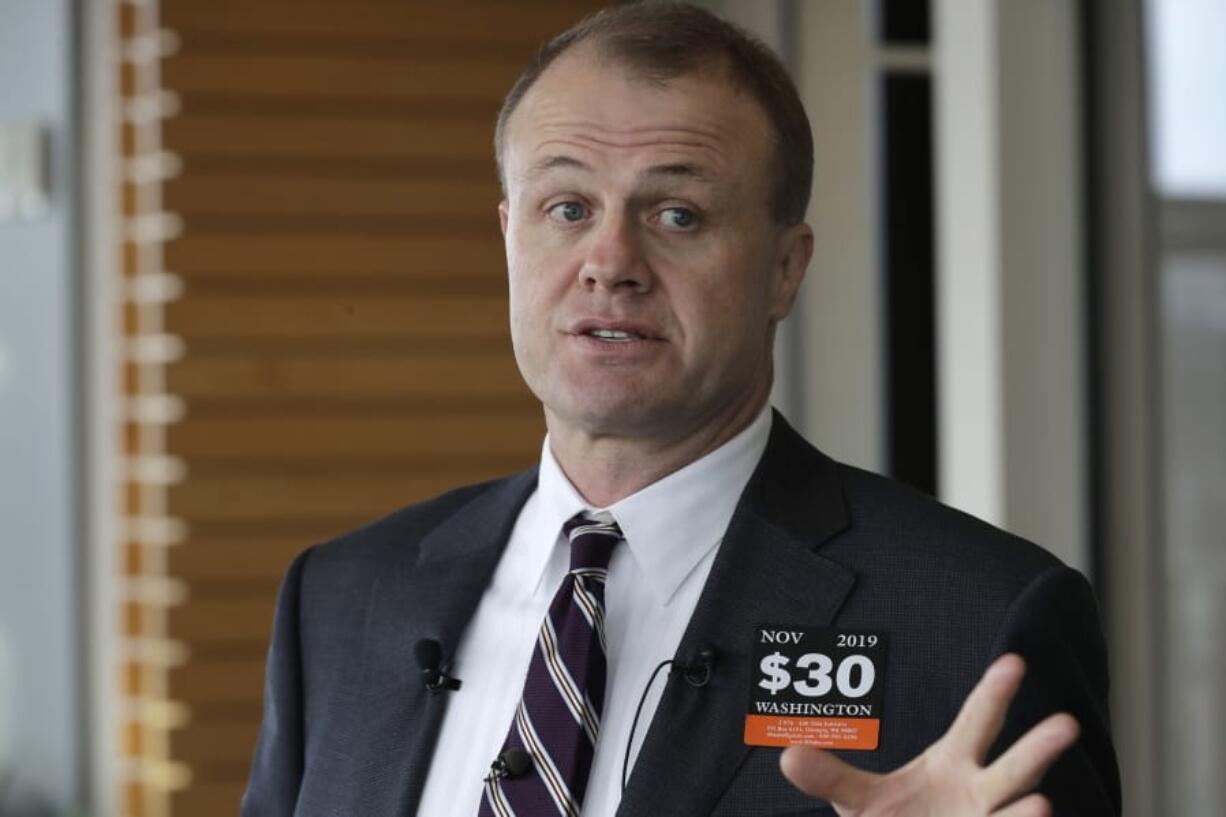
point(334, 324)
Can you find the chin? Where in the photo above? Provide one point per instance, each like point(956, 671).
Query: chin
point(620, 415)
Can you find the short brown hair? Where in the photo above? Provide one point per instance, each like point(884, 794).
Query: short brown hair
point(667, 40)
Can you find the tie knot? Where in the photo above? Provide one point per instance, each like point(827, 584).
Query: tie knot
point(592, 539)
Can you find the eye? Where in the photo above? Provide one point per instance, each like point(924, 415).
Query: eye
point(568, 212)
point(679, 218)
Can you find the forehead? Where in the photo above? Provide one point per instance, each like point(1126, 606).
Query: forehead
point(598, 112)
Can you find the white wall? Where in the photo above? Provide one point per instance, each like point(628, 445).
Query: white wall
point(841, 312)
point(1010, 275)
point(40, 732)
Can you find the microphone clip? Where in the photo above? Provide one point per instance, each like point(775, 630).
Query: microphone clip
point(429, 656)
point(509, 765)
point(697, 673)
point(436, 680)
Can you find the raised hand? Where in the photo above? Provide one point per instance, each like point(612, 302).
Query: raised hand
point(949, 778)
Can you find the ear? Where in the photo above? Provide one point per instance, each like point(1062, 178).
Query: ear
point(503, 212)
point(795, 248)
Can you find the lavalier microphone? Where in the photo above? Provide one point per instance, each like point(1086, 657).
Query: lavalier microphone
point(696, 672)
point(429, 656)
point(509, 765)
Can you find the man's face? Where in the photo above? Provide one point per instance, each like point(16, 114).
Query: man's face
point(646, 273)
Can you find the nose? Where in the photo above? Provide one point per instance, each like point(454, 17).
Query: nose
point(614, 259)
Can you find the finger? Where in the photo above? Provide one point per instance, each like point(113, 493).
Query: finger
point(1035, 805)
point(1019, 769)
point(821, 774)
point(983, 713)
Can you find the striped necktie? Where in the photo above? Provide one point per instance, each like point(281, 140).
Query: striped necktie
point(558, 718)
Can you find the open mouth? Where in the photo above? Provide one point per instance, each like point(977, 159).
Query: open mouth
point(615, 331)
point(613, 335)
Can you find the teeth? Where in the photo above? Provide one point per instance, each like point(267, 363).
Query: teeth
point(610, 334)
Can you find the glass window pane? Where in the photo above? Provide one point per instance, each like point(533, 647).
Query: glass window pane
point(1188, 96)
point(1194, 559)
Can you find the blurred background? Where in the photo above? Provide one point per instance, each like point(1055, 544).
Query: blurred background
point(252, 295)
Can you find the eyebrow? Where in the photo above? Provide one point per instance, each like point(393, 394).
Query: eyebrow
point(684, 170)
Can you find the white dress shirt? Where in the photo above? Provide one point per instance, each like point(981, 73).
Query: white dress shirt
point(672, 528)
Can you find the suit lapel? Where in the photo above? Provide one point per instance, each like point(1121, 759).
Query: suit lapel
point(766, 572)
point(432, 592)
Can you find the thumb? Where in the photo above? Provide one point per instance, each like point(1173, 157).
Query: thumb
point(821, 774)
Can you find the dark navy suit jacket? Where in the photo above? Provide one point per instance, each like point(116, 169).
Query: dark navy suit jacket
point(349, 728)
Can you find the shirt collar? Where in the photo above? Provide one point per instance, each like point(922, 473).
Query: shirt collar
point(671, 524)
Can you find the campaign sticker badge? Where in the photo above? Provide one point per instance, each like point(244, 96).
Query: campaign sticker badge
point(816, 686)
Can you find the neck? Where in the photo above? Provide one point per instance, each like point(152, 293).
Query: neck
point(606, 468)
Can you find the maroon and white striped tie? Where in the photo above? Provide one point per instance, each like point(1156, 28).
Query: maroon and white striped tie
point(558, 718)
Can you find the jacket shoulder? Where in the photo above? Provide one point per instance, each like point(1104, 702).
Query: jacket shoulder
point(407, 526)
point(894, 522)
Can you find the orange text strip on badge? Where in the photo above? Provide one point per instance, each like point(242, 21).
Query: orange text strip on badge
point(821, 733)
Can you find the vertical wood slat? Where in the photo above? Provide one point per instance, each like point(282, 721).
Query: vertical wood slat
point(149, 774)
point(342, 313)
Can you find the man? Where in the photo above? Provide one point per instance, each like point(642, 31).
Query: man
point(656, 167)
